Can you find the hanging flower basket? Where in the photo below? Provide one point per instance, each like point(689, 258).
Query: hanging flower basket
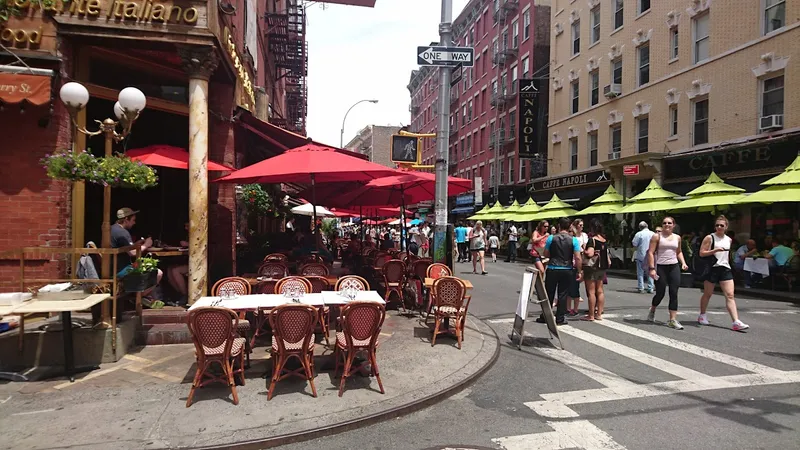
point(115, 171)
point(256, 200)
point(142, 276)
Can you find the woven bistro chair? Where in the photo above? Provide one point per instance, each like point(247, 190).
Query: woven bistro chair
point(292, 336)
point(352, 282)
point(241, 287)
point(294, 281)
point(319, 284)
point(394, 276)
point(438, 270)
point(279, 257)
point(315, 269)
point(361, 324)
point(214, 339)
point(449, 294)
point(415, 280)
point(273, 269)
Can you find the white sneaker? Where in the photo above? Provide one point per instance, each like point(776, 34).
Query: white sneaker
point(651, 316)
point(702, 319)
point(675, 324)
point(739, 326)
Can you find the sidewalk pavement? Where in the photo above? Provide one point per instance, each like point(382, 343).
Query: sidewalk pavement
point(139, 402)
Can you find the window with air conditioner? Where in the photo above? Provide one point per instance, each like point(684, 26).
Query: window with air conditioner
point(594, 87)
point(616, 142)
point(644, 64)
point(772, 103)
point(592, 144)
point(573, 154)
point(774, 15)
point(619, 10)
point(700, 135)
point(642, 134)
point(616, 71)
point(594, 16)
point(673, 120)
point(575, 103)
point(576, 37)
point(700, 27)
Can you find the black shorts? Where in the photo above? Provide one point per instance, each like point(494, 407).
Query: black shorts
point(574, 290)
point(719, 273)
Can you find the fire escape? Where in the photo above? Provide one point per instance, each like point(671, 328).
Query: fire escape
point(286, 34)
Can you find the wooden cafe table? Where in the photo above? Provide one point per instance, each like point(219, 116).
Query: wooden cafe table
point(429, 283)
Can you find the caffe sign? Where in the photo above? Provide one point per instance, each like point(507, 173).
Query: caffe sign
point(570, 181)
point(767, 158)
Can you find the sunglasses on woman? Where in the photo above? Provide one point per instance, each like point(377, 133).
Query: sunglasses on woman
point(720, 225)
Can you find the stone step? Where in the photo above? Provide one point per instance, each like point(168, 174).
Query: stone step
point(164, 316)
point(164, 334)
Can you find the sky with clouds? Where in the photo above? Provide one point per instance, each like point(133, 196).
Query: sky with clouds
point(360, 53)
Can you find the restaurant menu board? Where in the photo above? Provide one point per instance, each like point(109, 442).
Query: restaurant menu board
point(533, 284)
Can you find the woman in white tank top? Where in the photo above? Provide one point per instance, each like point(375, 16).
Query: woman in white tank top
point(665, 258)
point(718, 245)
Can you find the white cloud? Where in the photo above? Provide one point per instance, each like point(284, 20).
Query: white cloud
point(365, 53)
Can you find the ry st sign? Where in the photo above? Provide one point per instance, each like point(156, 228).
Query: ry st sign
point(445, 56)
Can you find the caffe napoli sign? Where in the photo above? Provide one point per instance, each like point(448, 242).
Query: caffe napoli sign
point(570, 181)
point(142, 11)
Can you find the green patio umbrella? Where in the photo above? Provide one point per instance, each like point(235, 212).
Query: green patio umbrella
point(526, 211)
point(608, 203)
point(510, 212)
point(712, 195)
point(654, 198)
point(479, 214)
point(554, 209)
point(494, 212)
point(782, 188)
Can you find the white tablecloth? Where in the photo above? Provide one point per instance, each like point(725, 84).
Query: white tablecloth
point(267, 301)
point(760, 266)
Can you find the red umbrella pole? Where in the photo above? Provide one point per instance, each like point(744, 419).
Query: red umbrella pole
point(403, 231)
point(314, 228)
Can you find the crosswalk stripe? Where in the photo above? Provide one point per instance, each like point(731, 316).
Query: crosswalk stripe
point(693, 349)
point(572, 434)
point(643, 358)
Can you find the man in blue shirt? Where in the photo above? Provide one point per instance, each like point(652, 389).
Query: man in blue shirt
point(564, 267)
point(461, 241)
point(641, 241)
point(780, 254)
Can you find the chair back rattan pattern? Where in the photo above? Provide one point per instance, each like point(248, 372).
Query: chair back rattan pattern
point(212, 331)
point(280, 257)
point(315, 269)
point(419, 268)
point(438, 270)
point(293, 282)
point(351, 282)
point(240, 286)
point(318, 283)
point(273, 269)
point(361, 325)
point(381, 259)
point(293, 336)
point(449, 294)
point(394, 272)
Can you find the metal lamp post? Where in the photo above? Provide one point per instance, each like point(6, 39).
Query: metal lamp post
point(131, 102)
point(341, 136)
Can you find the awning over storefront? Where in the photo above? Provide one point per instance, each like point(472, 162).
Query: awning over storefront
point(278, 137)
point(17, 88)
point(462, 210)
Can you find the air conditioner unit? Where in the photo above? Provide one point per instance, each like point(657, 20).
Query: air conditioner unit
point(614, 155)
point(773, 122)
point(612, 90)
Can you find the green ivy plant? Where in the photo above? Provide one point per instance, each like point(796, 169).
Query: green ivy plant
point(115, 171)
point(144, 265)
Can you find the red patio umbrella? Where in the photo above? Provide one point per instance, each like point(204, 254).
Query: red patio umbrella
point(312, 163)
point(169, 156)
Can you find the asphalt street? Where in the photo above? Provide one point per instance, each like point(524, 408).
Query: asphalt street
point(622, 383)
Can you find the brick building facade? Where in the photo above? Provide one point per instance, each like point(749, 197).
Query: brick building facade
point(678, 88)
point(511, 42)
point(374, 141)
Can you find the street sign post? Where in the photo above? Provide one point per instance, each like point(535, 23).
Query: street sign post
point(630, 170)
point(445, 56)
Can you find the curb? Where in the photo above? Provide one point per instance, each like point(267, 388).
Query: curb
point(372, 419)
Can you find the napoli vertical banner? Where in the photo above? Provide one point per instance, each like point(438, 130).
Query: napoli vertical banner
point(530, 119)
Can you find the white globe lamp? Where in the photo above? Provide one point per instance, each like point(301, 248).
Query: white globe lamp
point(118, 111)
point(74, 95)
point(132, 100)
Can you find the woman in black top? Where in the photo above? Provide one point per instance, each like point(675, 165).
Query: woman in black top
point(596, 262)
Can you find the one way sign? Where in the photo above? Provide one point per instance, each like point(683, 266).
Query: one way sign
point(445, 56)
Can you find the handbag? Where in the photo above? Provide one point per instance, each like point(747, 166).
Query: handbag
point(591, 263)
point(704, 264)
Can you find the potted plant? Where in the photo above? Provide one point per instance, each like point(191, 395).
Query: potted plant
point(117, 171)
point(142, 276)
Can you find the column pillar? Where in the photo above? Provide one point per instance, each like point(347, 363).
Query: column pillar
point(199, 63)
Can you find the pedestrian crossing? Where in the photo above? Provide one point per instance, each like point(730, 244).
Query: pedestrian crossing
point(571, 431)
